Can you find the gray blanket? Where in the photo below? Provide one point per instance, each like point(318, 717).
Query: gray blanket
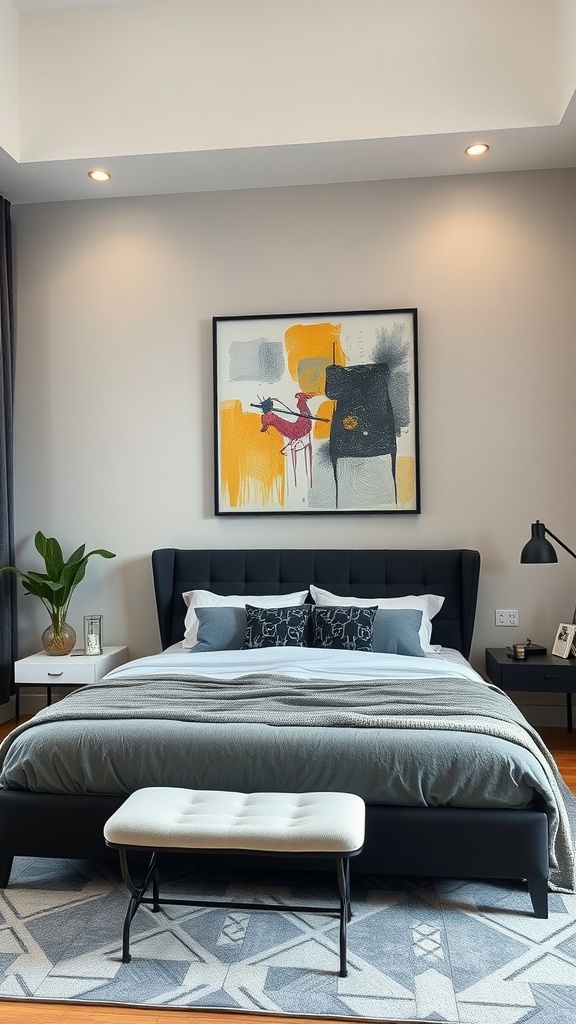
point(445, 705)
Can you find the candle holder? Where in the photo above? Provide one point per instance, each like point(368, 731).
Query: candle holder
point(92, 634)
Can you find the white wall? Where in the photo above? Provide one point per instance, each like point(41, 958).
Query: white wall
point(566, 28)
point(114, 381)
point(9, 92)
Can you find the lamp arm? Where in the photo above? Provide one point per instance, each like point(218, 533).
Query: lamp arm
point(560, 542)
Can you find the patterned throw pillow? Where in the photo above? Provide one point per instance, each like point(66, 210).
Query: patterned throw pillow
point(343, 628)
point(276, 627)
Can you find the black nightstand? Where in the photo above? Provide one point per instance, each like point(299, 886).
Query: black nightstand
point(543, 672)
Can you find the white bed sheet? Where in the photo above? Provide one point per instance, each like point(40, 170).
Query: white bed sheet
point(299, 663)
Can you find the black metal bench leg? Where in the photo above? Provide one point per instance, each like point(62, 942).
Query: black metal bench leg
point(343, 875)
point(155, 891)
point(136, 894)
point(132, 908)
point(348, 888)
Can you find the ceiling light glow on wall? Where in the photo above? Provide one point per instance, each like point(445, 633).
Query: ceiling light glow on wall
point(99, 175)
point(478, 149)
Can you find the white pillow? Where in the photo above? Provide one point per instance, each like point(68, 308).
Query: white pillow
point(428, 604)
point(206, 599)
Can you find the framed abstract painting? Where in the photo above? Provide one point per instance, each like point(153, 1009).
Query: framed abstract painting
point(316, 413)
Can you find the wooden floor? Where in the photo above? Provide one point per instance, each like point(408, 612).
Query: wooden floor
point(563, 747)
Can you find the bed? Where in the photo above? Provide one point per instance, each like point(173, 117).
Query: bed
point(434, 835)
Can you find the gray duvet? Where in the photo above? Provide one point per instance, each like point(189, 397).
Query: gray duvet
point(423, 742)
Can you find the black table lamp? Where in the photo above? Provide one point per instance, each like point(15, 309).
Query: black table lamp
point(538, 549)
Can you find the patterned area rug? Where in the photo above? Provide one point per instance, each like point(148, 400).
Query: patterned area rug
point(440, 950)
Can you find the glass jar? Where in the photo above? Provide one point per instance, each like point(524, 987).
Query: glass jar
point(92, 634)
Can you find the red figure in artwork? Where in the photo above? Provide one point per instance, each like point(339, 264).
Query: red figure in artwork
point(296, 432)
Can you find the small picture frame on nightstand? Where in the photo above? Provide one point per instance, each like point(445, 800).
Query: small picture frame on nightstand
point(564, 643)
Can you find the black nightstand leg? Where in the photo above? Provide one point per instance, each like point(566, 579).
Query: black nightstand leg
point(569, 712)
point(17, 689)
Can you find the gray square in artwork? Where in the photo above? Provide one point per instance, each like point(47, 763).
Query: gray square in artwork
point(259, 360)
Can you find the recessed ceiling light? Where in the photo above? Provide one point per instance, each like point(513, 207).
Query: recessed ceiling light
point(478, 149)
point(99, 175)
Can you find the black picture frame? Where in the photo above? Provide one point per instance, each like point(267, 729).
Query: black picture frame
point(316, 413)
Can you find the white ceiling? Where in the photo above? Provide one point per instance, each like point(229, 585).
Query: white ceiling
point(526, 148)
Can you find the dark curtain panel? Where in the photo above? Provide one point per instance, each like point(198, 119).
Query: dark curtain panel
point(7, 359)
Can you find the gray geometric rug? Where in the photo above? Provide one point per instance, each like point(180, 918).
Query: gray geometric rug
point(418, 948)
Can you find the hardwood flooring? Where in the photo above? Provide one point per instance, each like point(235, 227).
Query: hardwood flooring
point(562, 745)
point(60, 1013)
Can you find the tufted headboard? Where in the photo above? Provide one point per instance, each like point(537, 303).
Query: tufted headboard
point(351, 573)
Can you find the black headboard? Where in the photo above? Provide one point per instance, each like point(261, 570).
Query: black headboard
point(351, 573)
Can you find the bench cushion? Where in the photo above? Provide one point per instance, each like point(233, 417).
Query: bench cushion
point(162, 817)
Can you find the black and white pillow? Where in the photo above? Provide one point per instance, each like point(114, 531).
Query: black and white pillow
point(343, 628)
point(276, 627)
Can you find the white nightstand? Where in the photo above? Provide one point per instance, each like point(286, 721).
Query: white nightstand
point(72, 670)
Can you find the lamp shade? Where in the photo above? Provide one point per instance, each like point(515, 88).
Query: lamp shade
point(538, 548)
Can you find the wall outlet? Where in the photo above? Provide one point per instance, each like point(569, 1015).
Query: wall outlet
point(506, 616)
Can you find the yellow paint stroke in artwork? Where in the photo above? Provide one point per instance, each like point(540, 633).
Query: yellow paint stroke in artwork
point(252, 471)
point(310, 348)
point(326, 409)
point(405, 479)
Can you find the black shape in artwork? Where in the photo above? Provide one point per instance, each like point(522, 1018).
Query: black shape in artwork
point(363, 424)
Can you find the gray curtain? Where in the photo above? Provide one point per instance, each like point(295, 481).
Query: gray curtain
point(7, 360)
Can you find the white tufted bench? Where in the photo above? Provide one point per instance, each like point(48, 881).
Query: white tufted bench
point(161, 819)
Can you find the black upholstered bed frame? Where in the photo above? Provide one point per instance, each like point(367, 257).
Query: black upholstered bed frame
point(444, 842)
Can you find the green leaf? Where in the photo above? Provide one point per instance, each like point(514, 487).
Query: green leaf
point(41, 580)
point(73, 574)
point(77, 555)
point(40, 543)
point(40, 588)
point(51, 551)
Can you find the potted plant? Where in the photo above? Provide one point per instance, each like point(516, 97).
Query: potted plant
point(55, 588)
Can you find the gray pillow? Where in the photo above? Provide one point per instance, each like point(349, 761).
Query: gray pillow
point(396, 631)
point(220, 629)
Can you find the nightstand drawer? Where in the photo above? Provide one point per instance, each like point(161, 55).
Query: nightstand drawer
point(537, 677)
point(70, 669)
